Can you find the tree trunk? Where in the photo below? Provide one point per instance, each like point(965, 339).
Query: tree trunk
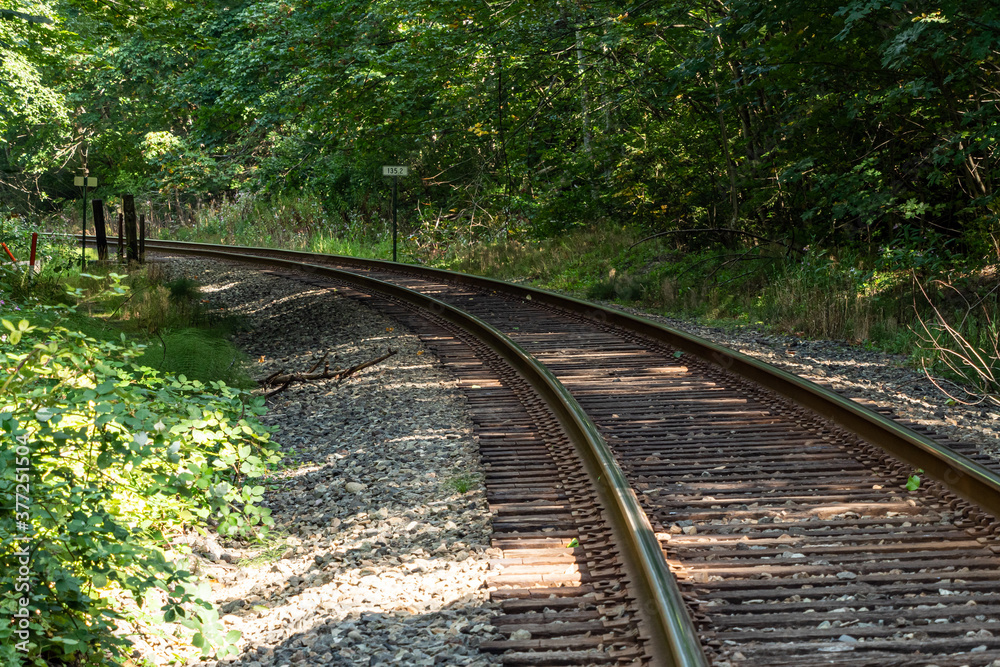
point(734, 195)
point(581, 68)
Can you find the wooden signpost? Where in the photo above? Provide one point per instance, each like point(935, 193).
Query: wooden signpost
point(395, 172)
point(121, 238)
point(85, 182)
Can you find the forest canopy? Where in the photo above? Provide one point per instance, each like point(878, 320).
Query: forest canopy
point(822, 121)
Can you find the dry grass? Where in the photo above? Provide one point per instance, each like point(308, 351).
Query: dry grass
point(574, 262)
point(149, 309)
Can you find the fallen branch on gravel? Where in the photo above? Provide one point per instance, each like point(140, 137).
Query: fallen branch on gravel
point(284, 379)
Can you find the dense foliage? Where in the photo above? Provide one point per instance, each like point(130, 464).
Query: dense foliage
point(831, 121)
point(102, 464)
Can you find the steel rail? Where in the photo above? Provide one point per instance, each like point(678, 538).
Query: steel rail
point(963, 476)
point(674, 640)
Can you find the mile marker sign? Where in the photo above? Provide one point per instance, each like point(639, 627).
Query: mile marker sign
point(84, 182)
point(395, 172)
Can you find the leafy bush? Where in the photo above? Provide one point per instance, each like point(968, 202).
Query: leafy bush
point(52, 255)
point(183, 289)
point(102, 463)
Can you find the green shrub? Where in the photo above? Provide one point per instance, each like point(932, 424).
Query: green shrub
point(102, 463)
point(617, 286)
point(183, 289)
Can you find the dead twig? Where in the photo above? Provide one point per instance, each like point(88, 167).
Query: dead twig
point(360, 367)
point(318, 362)
point(277, 391)
point(975, 367)
point(287, 379)
point(163, 343)
point(269, 378)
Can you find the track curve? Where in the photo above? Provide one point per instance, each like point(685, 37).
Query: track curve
point(781, 506)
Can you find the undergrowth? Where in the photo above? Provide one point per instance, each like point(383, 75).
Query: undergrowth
point(179, 331)
point(109, 459)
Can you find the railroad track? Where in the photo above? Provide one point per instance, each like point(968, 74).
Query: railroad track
point(780, 507)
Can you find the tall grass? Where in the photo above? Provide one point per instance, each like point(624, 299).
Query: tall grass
point(294, 222)
point(572, 262)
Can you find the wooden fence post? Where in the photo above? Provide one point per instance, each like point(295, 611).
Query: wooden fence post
point(99, 230)
point(121, 240)
point(142, 238)
point(128, 202)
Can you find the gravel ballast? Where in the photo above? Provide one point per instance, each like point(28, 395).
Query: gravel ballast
point(382, 529)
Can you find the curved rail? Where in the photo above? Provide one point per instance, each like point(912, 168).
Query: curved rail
point(964, 477)
point(672, 634)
